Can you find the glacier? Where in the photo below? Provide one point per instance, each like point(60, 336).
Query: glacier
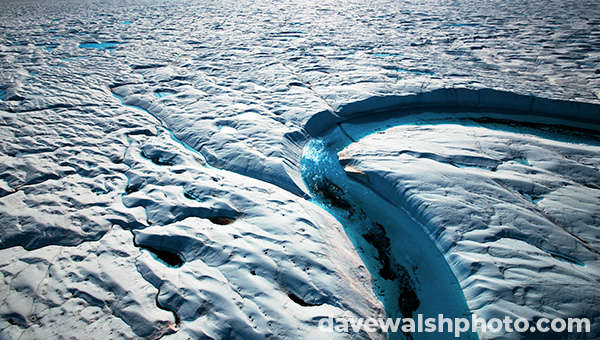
point(193, 169)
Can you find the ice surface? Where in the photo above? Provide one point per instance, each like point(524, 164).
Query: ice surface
point(186, 140)
point(513, 213)
point(248, 271)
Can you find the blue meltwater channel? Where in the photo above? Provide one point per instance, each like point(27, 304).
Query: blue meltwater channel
point(410, 275)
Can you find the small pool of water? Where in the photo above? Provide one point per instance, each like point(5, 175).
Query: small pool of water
point(101, 46)
point(47, 47)
point(385, 55)
point(163, 93)
point(422, 72)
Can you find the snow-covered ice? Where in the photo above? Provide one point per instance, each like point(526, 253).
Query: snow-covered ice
point(514, 213)
point(152, 152)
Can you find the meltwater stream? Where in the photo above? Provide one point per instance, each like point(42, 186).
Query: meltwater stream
point(411, 277)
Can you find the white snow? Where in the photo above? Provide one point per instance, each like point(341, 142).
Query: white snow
point(137, 133)
point(513, 213)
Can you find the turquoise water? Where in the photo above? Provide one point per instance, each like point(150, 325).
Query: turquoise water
point(162, 94)
point(462, 25)
point(413, 71)
point(47, 47)
point(101, 46)
point(410, 251)
point(410, 275)
point(385, 55)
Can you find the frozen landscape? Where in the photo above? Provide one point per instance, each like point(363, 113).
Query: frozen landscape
point(243, 170)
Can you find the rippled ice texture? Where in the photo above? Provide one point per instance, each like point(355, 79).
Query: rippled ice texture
point(87, 182)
